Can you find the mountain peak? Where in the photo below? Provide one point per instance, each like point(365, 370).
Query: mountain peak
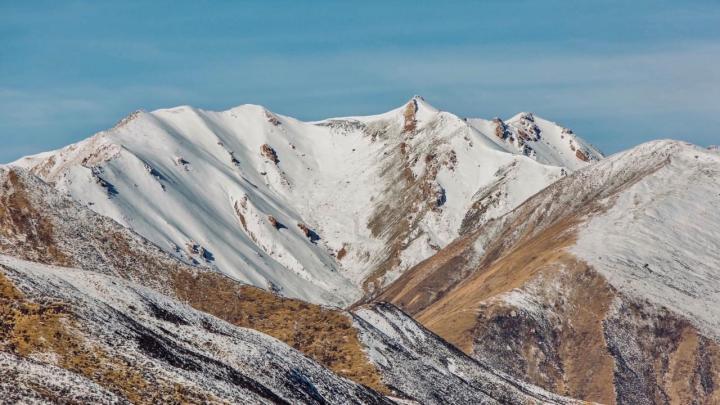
point(421, 104)
point(523, 116)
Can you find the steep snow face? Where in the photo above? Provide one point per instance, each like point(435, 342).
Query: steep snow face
point(540, 139)
point(660, 238)
point(108, 339)
point(324, 211)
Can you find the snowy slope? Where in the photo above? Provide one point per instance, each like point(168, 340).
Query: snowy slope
point(603, 286)
point(660, 239)
point(324, 211)
point(150, 348)
point(542, 140)
point(146, 347)
point(422, 366)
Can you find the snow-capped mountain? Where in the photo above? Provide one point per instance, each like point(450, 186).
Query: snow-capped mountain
point(92, 312)
point(534, 269)
point(605, 286)
point(324, 211)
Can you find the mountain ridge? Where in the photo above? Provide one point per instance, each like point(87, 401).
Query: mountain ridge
point(129, 323)
point(589, 318)
point(327, 211)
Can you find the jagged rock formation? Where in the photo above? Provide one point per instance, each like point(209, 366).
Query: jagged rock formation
point(601, 287)
point(387, 190)
point(269, 153)
point(542, 140)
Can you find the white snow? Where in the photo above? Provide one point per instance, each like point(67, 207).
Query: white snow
point(660, 239)
point(175, 176)
point(552, 145)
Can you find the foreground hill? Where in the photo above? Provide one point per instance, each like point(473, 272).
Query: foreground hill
point(605, 286)
point(326, 211)
point(81, 336)
point(92, 312)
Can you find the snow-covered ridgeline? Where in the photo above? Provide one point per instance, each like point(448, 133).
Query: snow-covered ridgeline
point(307, 209)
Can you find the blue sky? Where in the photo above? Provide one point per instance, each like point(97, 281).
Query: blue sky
point(617, 72)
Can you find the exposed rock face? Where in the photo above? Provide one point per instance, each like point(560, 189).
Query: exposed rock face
point(274, 222)
point(269, 153)
point(272, 118)
point(527, 129)
point(501, 129)
point(539, 139)
point(409, 114)
point(516, 293)
point(309, 233)
point(581, 155)
point(342, 253)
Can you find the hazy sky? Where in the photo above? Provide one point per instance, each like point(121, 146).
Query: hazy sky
point(617, 72)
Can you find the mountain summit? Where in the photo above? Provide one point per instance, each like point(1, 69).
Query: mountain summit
point(326, 211)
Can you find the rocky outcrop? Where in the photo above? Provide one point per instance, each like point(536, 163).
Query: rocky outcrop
point(309, 233)
point(501, 129)
point(342, 252)
point(581, 155)
point(269, 153)
point(272, 118)
point(527, 129)
point(275, 223)
point(409, 115)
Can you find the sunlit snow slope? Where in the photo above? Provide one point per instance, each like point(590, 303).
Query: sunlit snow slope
point(325, 211)
point(605, 286)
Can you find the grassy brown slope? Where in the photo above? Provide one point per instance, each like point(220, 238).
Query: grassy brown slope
point(453, 315)
point(36, 328)
point(19, 217)
point(29, 230)
point(326, 335)
point(429, 280)
point(578, 344)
